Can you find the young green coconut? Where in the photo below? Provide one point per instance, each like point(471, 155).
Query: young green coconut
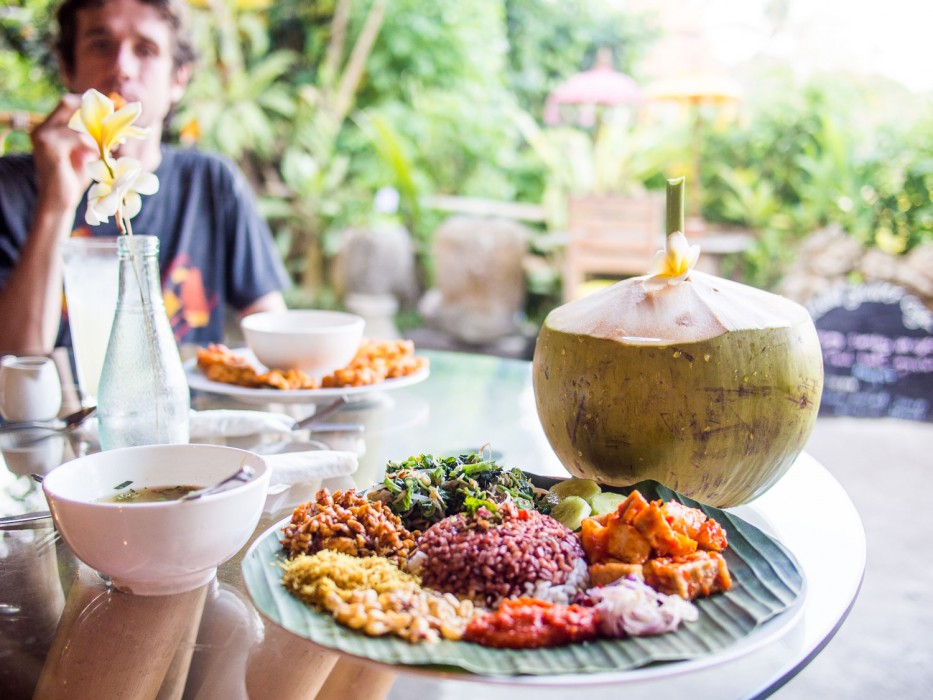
point(706, 385)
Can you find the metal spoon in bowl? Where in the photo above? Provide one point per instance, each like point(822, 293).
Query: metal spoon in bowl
point(244, 474)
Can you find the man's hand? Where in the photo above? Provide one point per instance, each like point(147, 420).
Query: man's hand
point(30, 303)
point(60, 155)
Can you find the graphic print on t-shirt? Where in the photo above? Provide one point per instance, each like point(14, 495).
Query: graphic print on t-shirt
point(187, 303)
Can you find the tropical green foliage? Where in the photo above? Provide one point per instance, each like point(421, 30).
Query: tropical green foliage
point(413, 94)
point(549, 41)
point(323, 103)
point(821, 153)
point(27, 68)
point(26, 61)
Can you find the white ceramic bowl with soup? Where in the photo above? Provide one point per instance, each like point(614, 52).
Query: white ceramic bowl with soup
point(314, 341)
point(156, 547)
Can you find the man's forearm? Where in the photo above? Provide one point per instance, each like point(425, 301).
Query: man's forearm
point(31, 302)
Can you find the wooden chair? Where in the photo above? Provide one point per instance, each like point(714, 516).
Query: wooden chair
point(611, 235)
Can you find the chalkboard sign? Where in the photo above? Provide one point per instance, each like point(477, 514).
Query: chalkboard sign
point(877, 345)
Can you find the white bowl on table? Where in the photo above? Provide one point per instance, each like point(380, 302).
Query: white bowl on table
point(311, 340)
point(156, 548)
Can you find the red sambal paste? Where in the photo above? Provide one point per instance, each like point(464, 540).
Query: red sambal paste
point(528, 623)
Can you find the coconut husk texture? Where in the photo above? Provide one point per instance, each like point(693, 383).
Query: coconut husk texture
point(710, 387)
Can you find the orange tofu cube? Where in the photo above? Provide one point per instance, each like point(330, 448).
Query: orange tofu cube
point(651, 523)
point(683, 519)
point(690, 576)
point(712, 536)
point(593, 537)
point(626, 544)
point(634, 504)
point(609, 571)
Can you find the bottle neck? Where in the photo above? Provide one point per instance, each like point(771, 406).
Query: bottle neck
point(139, 271)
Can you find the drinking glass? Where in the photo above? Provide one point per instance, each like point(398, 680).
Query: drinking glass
point(91, 279)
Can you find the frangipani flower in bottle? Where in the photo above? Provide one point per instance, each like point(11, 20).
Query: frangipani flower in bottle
point(143, 396)
point(119, 181)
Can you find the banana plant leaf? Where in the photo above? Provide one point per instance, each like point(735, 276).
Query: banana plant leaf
point(766, 583)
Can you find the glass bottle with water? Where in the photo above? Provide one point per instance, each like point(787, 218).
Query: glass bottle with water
point(143, 397)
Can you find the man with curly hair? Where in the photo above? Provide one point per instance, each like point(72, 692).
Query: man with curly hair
point(215, 249)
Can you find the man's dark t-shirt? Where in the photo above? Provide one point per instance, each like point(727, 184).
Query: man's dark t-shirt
point(214, 248)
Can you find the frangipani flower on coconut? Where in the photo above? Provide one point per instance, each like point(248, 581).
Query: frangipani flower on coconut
point(119, 182)
point(672, 265)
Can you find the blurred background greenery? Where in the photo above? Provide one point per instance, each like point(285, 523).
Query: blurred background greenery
point(323, 103)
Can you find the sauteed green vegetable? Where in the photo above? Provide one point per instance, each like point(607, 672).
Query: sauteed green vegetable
point(424, 489)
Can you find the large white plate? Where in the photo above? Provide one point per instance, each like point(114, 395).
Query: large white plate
point(198, 382)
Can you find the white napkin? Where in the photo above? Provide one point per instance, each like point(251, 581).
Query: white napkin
point(237, 423)
point(221, 423)
point(313, 465)
point(297, 476)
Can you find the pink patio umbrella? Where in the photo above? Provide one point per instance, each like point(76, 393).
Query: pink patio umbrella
point(601, 85)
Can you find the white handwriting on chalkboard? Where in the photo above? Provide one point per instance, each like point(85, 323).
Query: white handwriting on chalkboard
point(914, 314)
point(876, 405)
point(877, 351)
point(912, 365)
point(921, 347)
point(874, 375)
point(909, 409)
point(851, 297)
point(841, 382)
point(871, 342)
point(867, 405)
point(875, 358)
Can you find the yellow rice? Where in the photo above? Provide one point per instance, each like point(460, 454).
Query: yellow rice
point(373, 595)
point(314, 577)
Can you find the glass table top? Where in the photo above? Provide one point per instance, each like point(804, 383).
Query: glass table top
point(63, 632)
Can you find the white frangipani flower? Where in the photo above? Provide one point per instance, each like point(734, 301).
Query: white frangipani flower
point(109, 127)
point(672, 264)
point(118, 183)
point(118, 186)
